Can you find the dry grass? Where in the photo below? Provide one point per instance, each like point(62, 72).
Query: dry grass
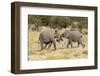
point(62, 51)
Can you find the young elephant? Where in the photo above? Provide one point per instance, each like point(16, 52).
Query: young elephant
point(47, 37)
point(73, 36)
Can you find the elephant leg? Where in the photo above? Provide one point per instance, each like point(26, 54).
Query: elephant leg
point(41, 42)
point(50, 45)
point(54, 43)
point(69, 43)
point(41, 45)
point(80, 42)
point(45, 46)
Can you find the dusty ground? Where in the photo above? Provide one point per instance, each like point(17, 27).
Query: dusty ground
point(62, 51)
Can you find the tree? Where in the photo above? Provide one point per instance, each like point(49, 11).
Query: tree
point(57, 21)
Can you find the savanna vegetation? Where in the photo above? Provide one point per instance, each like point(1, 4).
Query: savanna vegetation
point(36, 24)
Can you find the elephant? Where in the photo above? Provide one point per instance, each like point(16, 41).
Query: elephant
point(73, 36)
point(47, 37)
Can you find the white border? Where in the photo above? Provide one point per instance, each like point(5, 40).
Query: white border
point(25, 64)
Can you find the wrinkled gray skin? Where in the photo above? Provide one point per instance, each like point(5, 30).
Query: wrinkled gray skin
point(73, 36)
point(47, 37)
